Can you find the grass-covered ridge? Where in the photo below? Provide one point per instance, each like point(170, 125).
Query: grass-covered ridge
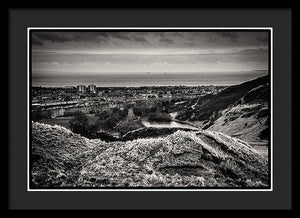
point(61, 158)
point(58, 154)
point(208, 108)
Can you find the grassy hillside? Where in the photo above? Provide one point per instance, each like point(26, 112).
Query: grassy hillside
point(208, 108)
point(61, 158)
point(249, 122)
point(58, 154)
point(240, 111)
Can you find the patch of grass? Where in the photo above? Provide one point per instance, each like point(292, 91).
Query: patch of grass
point(129, 125)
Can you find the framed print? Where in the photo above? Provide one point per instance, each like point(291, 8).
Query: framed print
point(158, 105)
point(123, 109)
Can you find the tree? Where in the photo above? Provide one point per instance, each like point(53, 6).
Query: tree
point(79, 124)
point(160, 117)
point(67, 98)
point(103, 115)
point(39, 114)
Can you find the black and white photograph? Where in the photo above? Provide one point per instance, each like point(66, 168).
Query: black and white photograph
point(149, 108)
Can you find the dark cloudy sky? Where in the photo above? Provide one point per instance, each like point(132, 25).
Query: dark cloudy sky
point(55, 53)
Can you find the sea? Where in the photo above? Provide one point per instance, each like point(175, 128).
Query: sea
point(147, 79)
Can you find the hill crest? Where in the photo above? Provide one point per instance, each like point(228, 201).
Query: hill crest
point(205, 158)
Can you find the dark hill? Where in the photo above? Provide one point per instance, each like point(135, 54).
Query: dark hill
point(208, 108)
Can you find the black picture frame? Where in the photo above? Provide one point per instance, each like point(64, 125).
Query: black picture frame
point(21, 198)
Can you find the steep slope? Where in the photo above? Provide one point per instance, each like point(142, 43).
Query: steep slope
point(240, 111)
point(248, 122)
point(182, 159)
point(209, 107)
point(248, 119)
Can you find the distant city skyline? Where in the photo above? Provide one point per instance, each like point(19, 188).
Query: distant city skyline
point(68, 53)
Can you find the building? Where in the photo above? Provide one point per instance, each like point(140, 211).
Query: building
point(92, 88)
point(100, 93)
point(57, 112)
point(166, 96)
point(81, 88)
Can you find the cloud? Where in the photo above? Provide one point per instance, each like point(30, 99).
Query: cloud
point(111, 64)
point(163, 63)
point(166, 40)
point(123, 36)
point(35, 40)
point(139, 39)
point(229, 35)
point(264, 38)
point(254, 51)
point(39, 38)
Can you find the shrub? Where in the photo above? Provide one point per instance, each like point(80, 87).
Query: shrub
point(109, 123)
point(141, 111)
point(129, 125)
point(117, 113)
point(79, 124)
point(102, 114)
point(160, 117)
point(70, 113)
point(40, 115)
